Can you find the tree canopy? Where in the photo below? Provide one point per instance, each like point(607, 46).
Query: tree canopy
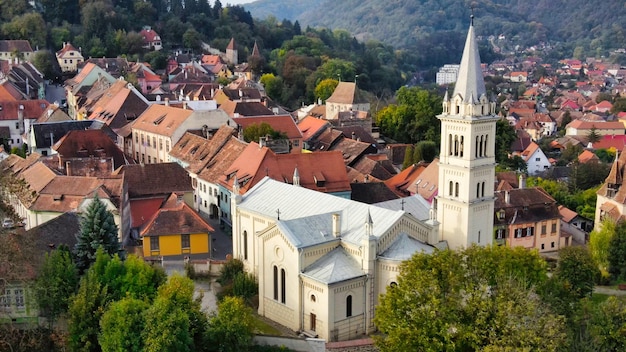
point(474, 299)
point(97, 229)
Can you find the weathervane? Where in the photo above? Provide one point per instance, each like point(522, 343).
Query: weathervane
point(472, 15)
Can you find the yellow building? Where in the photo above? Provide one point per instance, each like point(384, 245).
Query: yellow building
point(176, 230)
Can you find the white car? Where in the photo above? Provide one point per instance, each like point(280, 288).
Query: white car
point(8, 223)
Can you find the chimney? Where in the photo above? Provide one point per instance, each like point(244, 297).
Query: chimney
point(184, 105)
point(336, 225)
point(167, 101)
point(507, 197)
point(240, 93)
point(296, 177)
point(20, 119)
point(522, 181)
point(353, 135)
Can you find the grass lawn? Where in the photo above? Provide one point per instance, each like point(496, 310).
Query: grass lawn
point(263, 328)
point(598, 298)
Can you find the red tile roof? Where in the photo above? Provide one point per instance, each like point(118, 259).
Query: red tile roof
point(32, 109)
point(175, 217)
point(142, 210)
point(309, 126)
point(323, 171)
point(401, 182)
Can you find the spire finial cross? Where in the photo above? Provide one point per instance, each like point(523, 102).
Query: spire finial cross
point(472, 15)
point(277, 214)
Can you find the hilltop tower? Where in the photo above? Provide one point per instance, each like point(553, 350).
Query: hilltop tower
point(231, 53)
point(465, 202)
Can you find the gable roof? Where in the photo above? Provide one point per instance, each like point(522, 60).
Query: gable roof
point(155, 179)
point(161, 119)
point(31, 109)
point(89, 143)
point(335, 266)
point(587, 156)
point(323, 172)
point(567, 215)
point(525, 205)
point(371, 192)
point(175, 217)
point(400, 182)
point(347, 93)
point(198, 151)
point(312, 211)
point(222, 160)
point(427, 183)
point(311, 126)
point(238, 108)
point(23, 46)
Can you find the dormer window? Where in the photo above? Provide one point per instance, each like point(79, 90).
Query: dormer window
point(501, 214)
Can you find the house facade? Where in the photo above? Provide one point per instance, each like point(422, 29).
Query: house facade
point(16, 118)
point(69, 58)
point(176, 231)
point(611, 197)
point(345, 97)
point(529, 218)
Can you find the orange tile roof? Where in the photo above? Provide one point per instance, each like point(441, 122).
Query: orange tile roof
point(400, 183)
point(8, 92)
point(256, 162)
point(224, 158)
point(161, 119)
point(600, 125)
point(279, 123)
point(567, 214)
point(587, 156)
point(310, 125)
point(529, 151)
point(66, 48)
point(427, 184)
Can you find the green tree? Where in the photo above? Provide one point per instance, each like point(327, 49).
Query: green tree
point(325, 88)
point(425, 151)
point(577, 270)
point(593, 135)
point(231, 329)
point(97, 229)
point(46, 63)
point(56, 282)
point(599, 244)
point(85, 310)
point(255, 131)
point(273, 85)
point(505, 136)
point(29, 26)
point(192, 39)
point(473, 299)
point(175, 321)
point(121, 325)
point(413, 118)
point(617, 253)
point(619, 105)
point(408, 157)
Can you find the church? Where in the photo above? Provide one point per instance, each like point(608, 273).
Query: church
point(322, 261)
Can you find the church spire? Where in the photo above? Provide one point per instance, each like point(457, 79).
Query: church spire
point(470, 82)
point(255, 50)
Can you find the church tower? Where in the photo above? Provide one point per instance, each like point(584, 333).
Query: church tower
point(465, 201)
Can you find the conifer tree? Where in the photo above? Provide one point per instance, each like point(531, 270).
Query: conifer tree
point(97, 229)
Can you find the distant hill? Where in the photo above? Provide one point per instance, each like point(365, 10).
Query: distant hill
point(593, 25)
point(282, 9)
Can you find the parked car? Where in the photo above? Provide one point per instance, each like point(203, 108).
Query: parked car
point(8, 223)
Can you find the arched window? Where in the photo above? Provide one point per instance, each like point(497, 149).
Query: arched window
point(476, 150)
point(478, 190)
point(485, 147)
point(456, 145)
point(349, 306)
point(483, 189)
point(450, 144)
point(245, 245)
point(283, 288)
point(275, 282)
point(461, 147)
point(456, 189)
point(480, 147)
point(451, 186)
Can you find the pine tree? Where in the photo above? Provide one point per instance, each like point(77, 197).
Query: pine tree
point(97, 229)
